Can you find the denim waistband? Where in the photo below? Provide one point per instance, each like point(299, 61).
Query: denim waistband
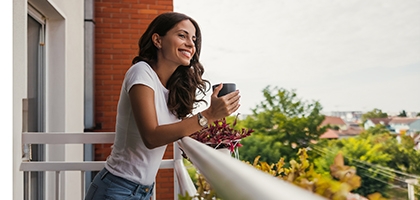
point(135, 187)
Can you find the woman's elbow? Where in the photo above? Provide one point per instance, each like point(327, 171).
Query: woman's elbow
point(150, 142)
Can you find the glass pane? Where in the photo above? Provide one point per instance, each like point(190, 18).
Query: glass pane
point(35, 112)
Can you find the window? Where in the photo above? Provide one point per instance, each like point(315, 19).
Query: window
point(35, 96)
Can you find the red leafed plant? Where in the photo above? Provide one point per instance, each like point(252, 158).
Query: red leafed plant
point(220, 134)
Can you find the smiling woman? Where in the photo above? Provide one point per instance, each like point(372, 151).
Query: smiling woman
point(179, 40)
point(155, 107)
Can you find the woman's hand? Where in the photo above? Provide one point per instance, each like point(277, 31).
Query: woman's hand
point(223, 106)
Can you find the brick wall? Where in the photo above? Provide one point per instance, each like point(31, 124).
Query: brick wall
point(118, 27)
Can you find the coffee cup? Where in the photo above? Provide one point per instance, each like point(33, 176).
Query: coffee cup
point(227, 88)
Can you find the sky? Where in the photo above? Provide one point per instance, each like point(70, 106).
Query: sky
point(352, 55)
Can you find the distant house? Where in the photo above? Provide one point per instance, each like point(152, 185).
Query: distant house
point(372, 122)
point(408, 125)
point(334, 122)
point(330, 134)
point(339, 128)
point(354, 116)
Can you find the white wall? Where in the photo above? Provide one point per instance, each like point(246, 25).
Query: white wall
point(6, 106)
point(19, 89)
point(64, 85)
point(415, 126)
point(368, 124)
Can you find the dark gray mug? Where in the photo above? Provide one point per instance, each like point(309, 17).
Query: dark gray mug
point(227, 88)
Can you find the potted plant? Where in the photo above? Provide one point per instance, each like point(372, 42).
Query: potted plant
point(221, 135)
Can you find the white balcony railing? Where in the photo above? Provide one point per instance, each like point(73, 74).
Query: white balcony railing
point(231, 178)
point(82, 166)
point(234, 179)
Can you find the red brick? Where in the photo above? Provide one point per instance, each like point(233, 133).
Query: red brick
point(98, 5)
point(140, 6)
point(101, 34)
point(110, 10)
point(130, 21)
point(117, 77)
point(103, 45)
point(165, 2)
point(121, 57)
point(149, 2)
point(111, 20)
point(122, 5)
point(125, 67)
point(110, 51)
point(120, 26)
point(141, 16)
point(123, 36)
point(99, 15)
point(139, 26)
point(157, 7)
point(121, 46)
point(111, 30)
point(147, 11)
point(129, 10)
point(131, 1)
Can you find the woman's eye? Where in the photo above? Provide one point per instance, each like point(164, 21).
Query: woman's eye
point(182, 36)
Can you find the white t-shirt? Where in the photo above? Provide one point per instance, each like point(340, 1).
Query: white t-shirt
point(130, 158)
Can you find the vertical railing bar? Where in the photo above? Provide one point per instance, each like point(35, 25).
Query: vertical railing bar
point(57, 185)
point(176, 156)
point(27, 184)
point(83, 183)
point(154, 191)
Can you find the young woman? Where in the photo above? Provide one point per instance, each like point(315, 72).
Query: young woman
point(155, 107)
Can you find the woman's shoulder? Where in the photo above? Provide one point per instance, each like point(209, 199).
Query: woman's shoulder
point(141, 66)
point(140, 73)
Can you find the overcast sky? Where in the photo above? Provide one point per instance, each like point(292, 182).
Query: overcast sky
point(348, 55)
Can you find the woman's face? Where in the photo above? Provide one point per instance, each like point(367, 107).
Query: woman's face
point(177, 46)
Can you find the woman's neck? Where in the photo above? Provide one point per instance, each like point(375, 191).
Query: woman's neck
point(164, 71)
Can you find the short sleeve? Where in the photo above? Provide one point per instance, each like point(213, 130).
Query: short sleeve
point(139, 73)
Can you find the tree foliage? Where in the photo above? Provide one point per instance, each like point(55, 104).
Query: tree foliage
point(402, 114)
point(375, 113)
point(376, 130)
point(356, 153)
point(381, 161)
point(283, 123)
point(301, 173)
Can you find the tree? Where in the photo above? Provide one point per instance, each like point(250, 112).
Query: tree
point(362, 154)
point(283, 123)
point(381, 161)
point(376, 130)
point(375, 113)
point(402, 114)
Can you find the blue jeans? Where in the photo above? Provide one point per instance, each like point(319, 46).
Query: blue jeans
point(106, 186)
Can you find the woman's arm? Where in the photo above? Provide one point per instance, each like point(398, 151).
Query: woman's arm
point(153, 135)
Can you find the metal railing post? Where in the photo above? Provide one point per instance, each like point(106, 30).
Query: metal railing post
point(176, 157)
point(57, 185)
point(410, 187)
point(27, 185)
point(83, 183)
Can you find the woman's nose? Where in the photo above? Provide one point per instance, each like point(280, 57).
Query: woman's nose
point(190, 43)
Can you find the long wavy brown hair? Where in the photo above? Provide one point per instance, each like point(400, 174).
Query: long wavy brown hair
point(186, 83)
